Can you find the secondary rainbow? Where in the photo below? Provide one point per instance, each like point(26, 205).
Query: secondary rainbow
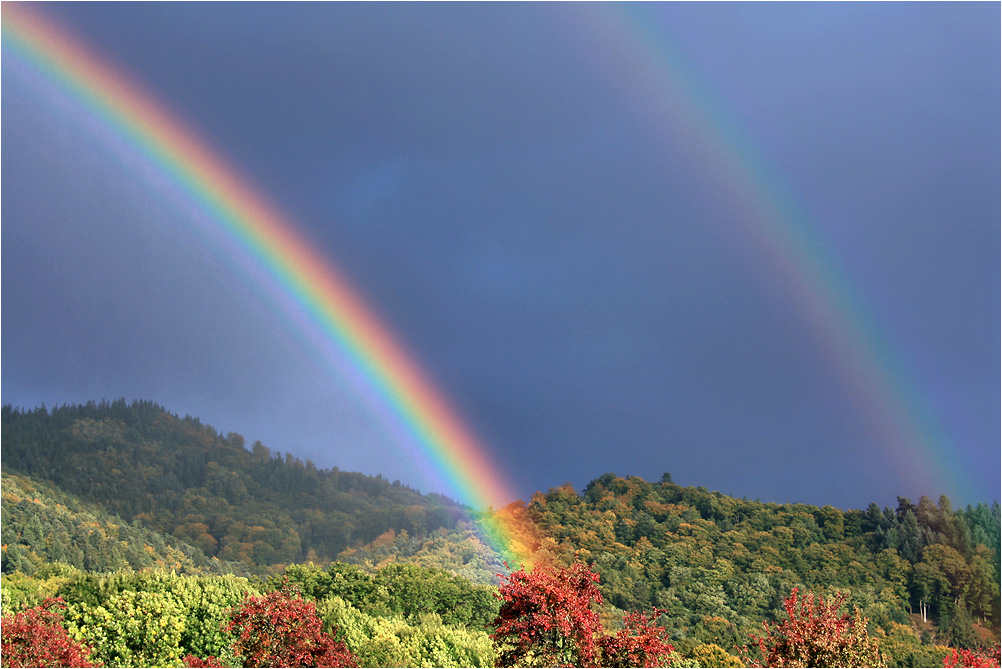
point(670, 98)
point(273, 242)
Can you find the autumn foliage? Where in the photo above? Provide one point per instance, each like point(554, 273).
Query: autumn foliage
point(280, 629)
point(815, 634)
point(640, 644)
point(546, 620)
point(198, 663)
point(973, 658)
point(36, 638)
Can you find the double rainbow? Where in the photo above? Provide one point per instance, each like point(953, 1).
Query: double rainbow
point(676, 103)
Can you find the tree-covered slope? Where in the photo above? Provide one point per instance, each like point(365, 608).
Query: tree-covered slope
point(43, 525)
point(718, 565)
point(177, 476)
point(460, 550)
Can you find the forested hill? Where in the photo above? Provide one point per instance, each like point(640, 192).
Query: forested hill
point(116, 485)
point(177, 476)
point(717, 565)
point(43, 525)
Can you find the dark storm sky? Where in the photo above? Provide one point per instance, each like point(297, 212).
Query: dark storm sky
point(512, 189)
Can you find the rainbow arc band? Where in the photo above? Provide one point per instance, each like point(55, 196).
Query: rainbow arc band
point(254, 228)
point(679, 107)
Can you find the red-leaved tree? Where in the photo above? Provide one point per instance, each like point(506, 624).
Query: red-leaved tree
point(546, 619)
point(37, 638)
point(280, 629)
point(815, 634)
point(640, 644)
point(974, 658)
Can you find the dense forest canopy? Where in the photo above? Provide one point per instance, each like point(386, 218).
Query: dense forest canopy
point(100, 498)
point(177, 476)
point(713, 560)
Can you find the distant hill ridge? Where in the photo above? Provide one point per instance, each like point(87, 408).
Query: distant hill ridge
point(177, 476)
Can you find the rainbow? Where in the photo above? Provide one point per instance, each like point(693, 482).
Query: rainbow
point(275, 246)
point(669, 97)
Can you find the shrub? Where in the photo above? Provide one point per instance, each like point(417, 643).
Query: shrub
point(210, 662)
point(546, 620)
point(394, 642)
point(132, 628)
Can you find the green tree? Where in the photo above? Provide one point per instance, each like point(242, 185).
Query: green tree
point(132, 629)
point(394, 642)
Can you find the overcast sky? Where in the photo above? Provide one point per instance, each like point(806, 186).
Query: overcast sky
point(527, 195)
